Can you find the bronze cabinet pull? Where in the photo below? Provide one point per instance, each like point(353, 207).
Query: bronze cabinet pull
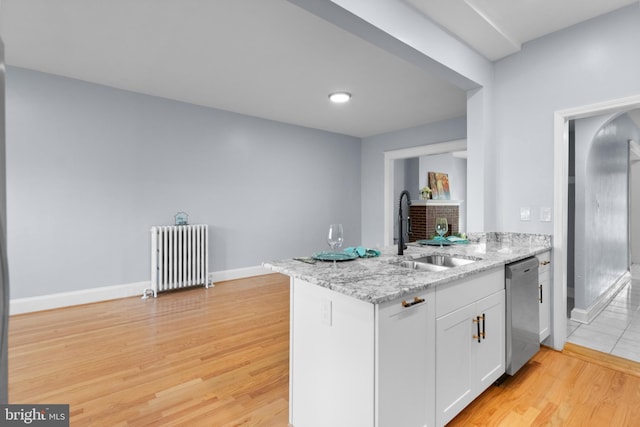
point(480, 335)
point(477, 322)
point(416, 300)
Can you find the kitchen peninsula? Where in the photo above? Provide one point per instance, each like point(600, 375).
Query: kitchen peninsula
point(376, 342)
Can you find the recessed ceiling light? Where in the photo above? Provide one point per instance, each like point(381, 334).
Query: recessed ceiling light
point(339, 97)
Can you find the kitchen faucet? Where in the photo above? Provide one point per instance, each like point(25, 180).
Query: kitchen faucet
point(401, 245)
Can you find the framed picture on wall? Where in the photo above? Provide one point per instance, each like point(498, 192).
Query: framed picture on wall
point(439, 184)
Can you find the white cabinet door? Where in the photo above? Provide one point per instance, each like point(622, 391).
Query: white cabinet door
point(405, 363)
point(545, 308)
point(490, 362)
point(455, 347)
point(470, 354)
point(544, 293)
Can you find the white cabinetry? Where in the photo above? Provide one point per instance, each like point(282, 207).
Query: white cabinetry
point(331, 358)
point(470, 340)
point(413, 362)
point(358, 364)
point(405, 352)
point(544, 293)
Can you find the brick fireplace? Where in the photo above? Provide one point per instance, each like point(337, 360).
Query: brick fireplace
point(423, 215)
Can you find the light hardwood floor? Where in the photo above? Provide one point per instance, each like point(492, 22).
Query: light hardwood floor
point(572, 389)
point(199, 357)
point(219, 357)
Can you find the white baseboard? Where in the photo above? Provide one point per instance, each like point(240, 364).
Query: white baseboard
point(105, 293)
point(238, 273)
point(586, 316)
point(84, 296)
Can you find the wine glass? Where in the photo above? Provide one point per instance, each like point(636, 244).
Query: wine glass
point(335, 239)
point(441, 228)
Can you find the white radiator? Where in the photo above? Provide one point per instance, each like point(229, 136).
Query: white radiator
point(179, 257)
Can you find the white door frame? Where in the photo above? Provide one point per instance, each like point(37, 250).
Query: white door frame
point(407, 153)
point(634, 157)
point(560, 203)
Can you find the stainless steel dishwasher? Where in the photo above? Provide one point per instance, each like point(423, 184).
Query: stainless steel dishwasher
point(523, 316)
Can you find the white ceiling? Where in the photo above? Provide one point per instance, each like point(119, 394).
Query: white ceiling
point(497, 28)
point(268, 58)
point(264, 58)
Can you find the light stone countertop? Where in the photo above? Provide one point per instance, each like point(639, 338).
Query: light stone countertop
point(378, 280)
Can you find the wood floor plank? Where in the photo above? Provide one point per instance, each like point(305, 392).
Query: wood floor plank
point(607, 360)
point(558, 389)
point(219, 357)
point(206, 357)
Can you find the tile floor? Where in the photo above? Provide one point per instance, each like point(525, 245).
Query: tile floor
point(616, 330)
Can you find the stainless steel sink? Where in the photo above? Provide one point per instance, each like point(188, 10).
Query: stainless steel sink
point(444, 260)
point(434, 263)
point(421, 266)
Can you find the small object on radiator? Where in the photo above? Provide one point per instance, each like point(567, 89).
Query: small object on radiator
point(181, 218)
point(179, 258)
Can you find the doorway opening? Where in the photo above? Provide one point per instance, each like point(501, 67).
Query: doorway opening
point(389, 172)
point(561, 203)
point(598, 249)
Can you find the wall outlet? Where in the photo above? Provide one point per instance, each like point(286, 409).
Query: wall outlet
point(545, 214)
point(525, 214)
point(325, 312)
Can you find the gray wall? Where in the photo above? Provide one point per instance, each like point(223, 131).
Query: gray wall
point(405, 175)
point(446, 163)
point(373, 149)
point(91, 169)
point(3, 177)
point(4, 277)
point(601, 204)
point(412, 176)
point(591, 62)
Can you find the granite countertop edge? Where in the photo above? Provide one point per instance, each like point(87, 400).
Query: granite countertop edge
point(378, 280)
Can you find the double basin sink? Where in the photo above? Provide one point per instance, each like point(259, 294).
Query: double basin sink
point(434, 263)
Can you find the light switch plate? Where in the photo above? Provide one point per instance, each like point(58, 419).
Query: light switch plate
point(545, 214)
point(525, 214)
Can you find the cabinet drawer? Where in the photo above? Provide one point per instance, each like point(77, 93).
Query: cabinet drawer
point(452, 296)
point(405, 305)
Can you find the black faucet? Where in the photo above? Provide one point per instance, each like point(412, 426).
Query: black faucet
point(401, 245)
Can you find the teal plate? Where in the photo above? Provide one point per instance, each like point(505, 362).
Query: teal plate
point(457, 240)
point(434, 242)
point(334, 256)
